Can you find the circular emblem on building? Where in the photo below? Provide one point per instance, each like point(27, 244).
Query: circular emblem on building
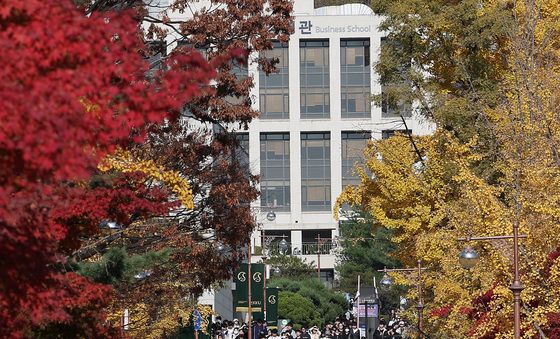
point(257, 277)
point(272, 299)
point(242, 276)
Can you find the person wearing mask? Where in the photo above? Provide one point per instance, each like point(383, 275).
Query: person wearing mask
point(341, 327)
point(288, 331)
point(229, 333)
point(273, 334)
point(381, 332)
point(286, 334)
point(327, 334)
point(355, 332)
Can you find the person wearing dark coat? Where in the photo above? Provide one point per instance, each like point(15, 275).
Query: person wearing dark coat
point(305, 334)
point(354, 332)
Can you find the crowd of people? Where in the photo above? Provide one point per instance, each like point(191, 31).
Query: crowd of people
point(395, 328)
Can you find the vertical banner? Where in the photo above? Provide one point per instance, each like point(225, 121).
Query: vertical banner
point(241, 296)
point(272, 307)
point(257, 287)
point(241, 280)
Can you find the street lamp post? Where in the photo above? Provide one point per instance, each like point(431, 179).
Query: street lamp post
point(468, 258)
point(387, 281)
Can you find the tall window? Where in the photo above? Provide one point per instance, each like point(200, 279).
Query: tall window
point(240, 72)
point(275, 170)
point(242, 150)
point(391, 105)
point(273, 88)
point(316, 171)
point(353, 145)
point(314, 79)
point(355, 78)
point(154, 54)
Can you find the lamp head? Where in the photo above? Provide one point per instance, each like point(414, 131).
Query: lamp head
point(271, 216)
point(468, 258)
point(386, 280)
point(283, 246)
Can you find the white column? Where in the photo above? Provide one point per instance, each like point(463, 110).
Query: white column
point(296, 239)
point(334, 74)
point(295, 150)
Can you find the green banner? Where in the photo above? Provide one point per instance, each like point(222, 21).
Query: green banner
point(272, 307)
point(257, 287)
point(242, 288)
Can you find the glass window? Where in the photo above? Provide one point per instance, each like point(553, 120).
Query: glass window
point(315, 171)
point(390, 107)
point(242, 151)
point(353, 145)
point(355, 75)
point(314, 79)
point(240, 72)
point(386, 134)
point(154, 53)
point(273, 88)
point(275, 170)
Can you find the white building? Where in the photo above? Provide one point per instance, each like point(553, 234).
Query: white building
point(316, 117)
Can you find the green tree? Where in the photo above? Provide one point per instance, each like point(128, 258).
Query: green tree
point(117, 266)
point(297, 308)
point(366, 247)
point(291, 266)
point(323, 3)
point(327, 304)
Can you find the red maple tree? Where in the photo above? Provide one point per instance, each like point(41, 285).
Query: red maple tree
point(73, 88)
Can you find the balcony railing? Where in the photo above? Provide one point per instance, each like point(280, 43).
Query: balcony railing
point(326, 247)
point(305, 248)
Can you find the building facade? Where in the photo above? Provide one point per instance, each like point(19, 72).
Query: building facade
point(316, 117)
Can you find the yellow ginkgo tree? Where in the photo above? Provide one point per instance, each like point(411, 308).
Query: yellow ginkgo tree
point(126, 162)
point(453, 184)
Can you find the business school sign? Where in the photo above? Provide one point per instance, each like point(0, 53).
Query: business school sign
point(307, 27)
